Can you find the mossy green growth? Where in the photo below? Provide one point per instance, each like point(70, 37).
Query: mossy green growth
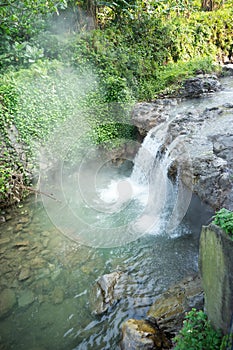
point(224, 219)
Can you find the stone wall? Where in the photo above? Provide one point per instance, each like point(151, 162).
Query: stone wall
point(216, 267)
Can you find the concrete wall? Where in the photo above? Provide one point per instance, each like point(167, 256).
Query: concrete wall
point(216, 267)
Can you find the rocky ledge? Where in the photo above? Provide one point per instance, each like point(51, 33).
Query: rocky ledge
point(206, 136)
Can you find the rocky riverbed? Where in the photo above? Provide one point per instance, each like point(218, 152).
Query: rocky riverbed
point(48, 295)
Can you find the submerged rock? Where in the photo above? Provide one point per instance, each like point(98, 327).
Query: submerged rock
point(141, 335)
point(106, 292)
point(2, 218)
point(26, 297)
point(7, 301)
point(57, 295)
point(169, 309)
point(25, 273)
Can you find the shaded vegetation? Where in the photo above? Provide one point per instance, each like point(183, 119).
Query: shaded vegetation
point(224, 219)
point(197, 333)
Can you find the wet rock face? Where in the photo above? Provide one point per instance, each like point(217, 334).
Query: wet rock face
point(169, 309)
point(194, 87)
point(141, 335)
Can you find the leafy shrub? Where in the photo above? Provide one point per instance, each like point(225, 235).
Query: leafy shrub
point(224, 219)
point(197, 333)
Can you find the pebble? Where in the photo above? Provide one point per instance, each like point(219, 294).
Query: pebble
point(21, 243)
point(26, 298)
point(19, 227)
point(4, 240)
point(38, 262)
point(57, 295)
point(24, 220)
point(24, 274)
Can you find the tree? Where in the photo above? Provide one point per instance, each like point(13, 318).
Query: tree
point(210, 5)
point(20, 20)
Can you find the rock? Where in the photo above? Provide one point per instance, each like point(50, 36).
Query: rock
point(19, 227)
point(223, 146)
point(141, 335)
point(207, 156)
point(24, 274)
point(147, 115)
point(197, 86)
point(228, 69)
point(104, 294)
point(24, 220)
point(57, 295)
point(21, 243)
point(26, 298)
point(2, 218)
point(7, 301)
point(38, 263)
point(169, 309)
point(45, 242)
point(216, 265)
point(4, 240)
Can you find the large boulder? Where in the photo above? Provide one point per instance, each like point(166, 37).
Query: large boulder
point(107, 291)
point(228, 69)
point(216, 265)
point(169, 309)
point(141, 335)
point(199, 85)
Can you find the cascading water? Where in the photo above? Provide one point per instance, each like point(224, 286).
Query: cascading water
point(149, 187)
point(150, 172)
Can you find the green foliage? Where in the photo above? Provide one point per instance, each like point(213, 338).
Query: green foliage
point(204, 33)
point(224, 219)
point(197, 333)
point(143, 49)
point(20, 20)
point(227, 342)
point(36, 102)
point(112, 135)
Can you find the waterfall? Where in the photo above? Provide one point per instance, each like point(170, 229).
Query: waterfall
point(148, 154)
point(167, 200)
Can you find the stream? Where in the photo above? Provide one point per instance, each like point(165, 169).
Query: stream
point(47, 276)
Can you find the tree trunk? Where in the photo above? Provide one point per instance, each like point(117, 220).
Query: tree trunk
point(91, 8)
point(207, 5)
